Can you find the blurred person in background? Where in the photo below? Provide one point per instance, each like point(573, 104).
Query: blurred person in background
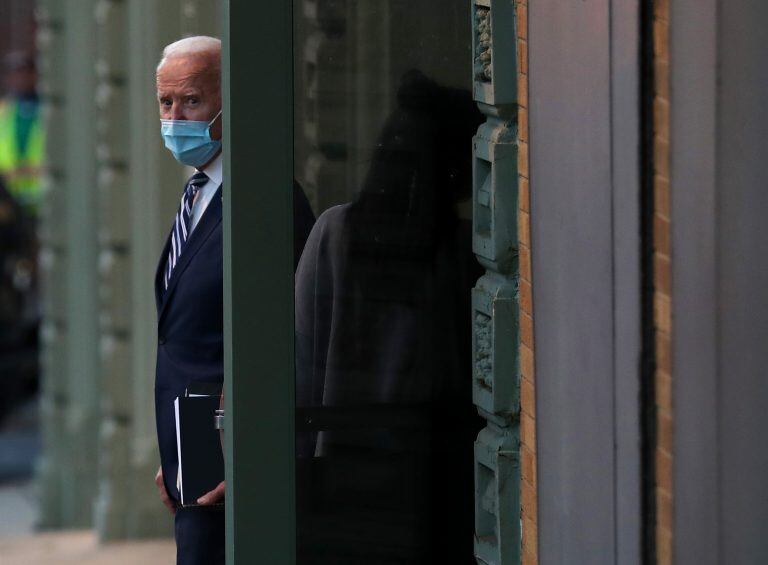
point(21, 132)
point(21, 153)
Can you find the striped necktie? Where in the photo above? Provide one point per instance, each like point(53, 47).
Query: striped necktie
point(182, 227)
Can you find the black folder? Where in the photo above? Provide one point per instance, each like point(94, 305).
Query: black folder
point(201, 463)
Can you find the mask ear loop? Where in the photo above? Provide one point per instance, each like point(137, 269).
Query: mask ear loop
point(216, 117)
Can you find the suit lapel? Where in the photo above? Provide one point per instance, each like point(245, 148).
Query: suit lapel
point(210, 219)
point(161, 270)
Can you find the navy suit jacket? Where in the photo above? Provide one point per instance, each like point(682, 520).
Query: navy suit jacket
point(190, 328)
point(190, 319)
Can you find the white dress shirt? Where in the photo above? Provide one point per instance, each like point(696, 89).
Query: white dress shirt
point(214, 172)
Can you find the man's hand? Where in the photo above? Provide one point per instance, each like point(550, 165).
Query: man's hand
point(213, 497)
point(163, 493)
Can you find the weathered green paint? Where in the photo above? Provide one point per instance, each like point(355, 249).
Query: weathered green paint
point(494, 44)
point(52, 240)
point(495, 306)
point(497, 478)
point(69, 258)
point(495, 326)
point(258, 282)
point(113, 506)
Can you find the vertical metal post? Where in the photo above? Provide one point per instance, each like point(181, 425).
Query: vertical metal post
point(52, 260)
point(132, 220)
point(115, 304)
point(71, 404)
point(258, 282)
point(155, 183)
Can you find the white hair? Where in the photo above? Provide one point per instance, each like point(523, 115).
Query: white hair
point(190, 46)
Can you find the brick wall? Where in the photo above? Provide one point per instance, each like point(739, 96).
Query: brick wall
point(527, 392)
point(662, 284)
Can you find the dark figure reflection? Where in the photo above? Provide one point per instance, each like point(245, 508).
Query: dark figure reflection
point(386, 421)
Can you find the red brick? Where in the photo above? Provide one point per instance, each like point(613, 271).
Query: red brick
point(524, 198)
point(661, 39)
point(663, 392)
point(522, 124)
point(523, 229)
point(522, 90)
point(661, 157)
point(526, 330)
point(528, 465)
point(526, 363)
point(528, 501)
point(522, 57)
point(663, 510)
point(522, 159)
point(663, 470)
point(663, 353)
point(527, 397)
point(528, 432)
point(524, 255)
point(661, 235)
point(663, 547)
point(661, 196)
point(661, 78)
point(526, 304)
point(661, 9)
point(664, 431)
point(662, 274)
point(522, 20)
point(662, 313)
point(661, 118)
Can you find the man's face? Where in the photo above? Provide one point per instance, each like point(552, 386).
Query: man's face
point(188, 89)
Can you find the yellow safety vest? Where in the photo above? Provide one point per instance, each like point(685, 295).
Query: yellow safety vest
point(21, 172)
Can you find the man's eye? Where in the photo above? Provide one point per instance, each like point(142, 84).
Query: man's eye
point(193, 100)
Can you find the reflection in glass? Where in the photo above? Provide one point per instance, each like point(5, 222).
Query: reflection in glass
point(383, 378)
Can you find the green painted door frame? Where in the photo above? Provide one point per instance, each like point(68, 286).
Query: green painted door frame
point(258, 282)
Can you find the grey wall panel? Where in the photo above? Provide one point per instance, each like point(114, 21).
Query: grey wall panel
point(693, 307)
point(583, 124)
point(720, 273)
point(625, 104)
point(742, 193)
point(694, 341)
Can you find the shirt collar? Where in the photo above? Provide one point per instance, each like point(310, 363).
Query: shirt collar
point(215, 171)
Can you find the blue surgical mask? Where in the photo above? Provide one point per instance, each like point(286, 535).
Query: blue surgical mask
point(190, 141)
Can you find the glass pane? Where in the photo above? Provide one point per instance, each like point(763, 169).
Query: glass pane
point(385, 427)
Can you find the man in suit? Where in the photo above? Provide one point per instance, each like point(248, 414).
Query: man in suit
point(189, 278)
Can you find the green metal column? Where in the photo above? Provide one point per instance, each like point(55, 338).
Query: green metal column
point(69, 259)
point(201, 17)
point(495, 344)
point(155, 183)
point(258, 283)
point(124, 507)
point(52, 232)
point(113, 503)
